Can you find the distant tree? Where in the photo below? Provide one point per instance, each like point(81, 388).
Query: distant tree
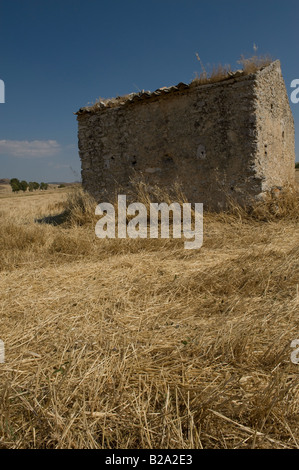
point(15, 185)
point(61, 186)
point(33, 186)
point(43, 186)
point(297, 165)
point(23, 185)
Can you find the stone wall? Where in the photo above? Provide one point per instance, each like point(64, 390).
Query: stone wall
point(232, 138)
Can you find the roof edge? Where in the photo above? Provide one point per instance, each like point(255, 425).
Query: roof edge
point(120, 101)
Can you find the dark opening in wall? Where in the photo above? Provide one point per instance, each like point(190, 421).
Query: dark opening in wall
point(167, 159)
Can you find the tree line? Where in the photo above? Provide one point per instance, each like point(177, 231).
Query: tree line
point(17, 185)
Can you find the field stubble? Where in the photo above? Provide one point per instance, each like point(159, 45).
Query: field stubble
point(142, 344)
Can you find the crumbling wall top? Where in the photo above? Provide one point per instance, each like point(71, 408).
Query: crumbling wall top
point(141, 96)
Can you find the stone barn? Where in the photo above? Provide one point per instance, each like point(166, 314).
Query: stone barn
point(233, 138)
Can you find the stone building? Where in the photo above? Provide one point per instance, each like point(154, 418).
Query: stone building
point(231, 138)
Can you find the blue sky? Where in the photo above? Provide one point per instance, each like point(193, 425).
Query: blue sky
point(59, 55)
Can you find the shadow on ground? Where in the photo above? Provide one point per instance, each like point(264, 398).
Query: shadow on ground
point(58, 219)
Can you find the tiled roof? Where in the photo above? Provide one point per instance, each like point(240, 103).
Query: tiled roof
point(132, 98)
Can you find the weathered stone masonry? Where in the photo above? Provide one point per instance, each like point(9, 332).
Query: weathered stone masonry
point(234, 137)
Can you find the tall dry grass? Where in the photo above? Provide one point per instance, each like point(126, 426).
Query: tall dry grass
point(222, 72)
point(142, 344)
point(254, 63)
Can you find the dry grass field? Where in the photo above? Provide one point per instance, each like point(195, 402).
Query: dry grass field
point(141, 344)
